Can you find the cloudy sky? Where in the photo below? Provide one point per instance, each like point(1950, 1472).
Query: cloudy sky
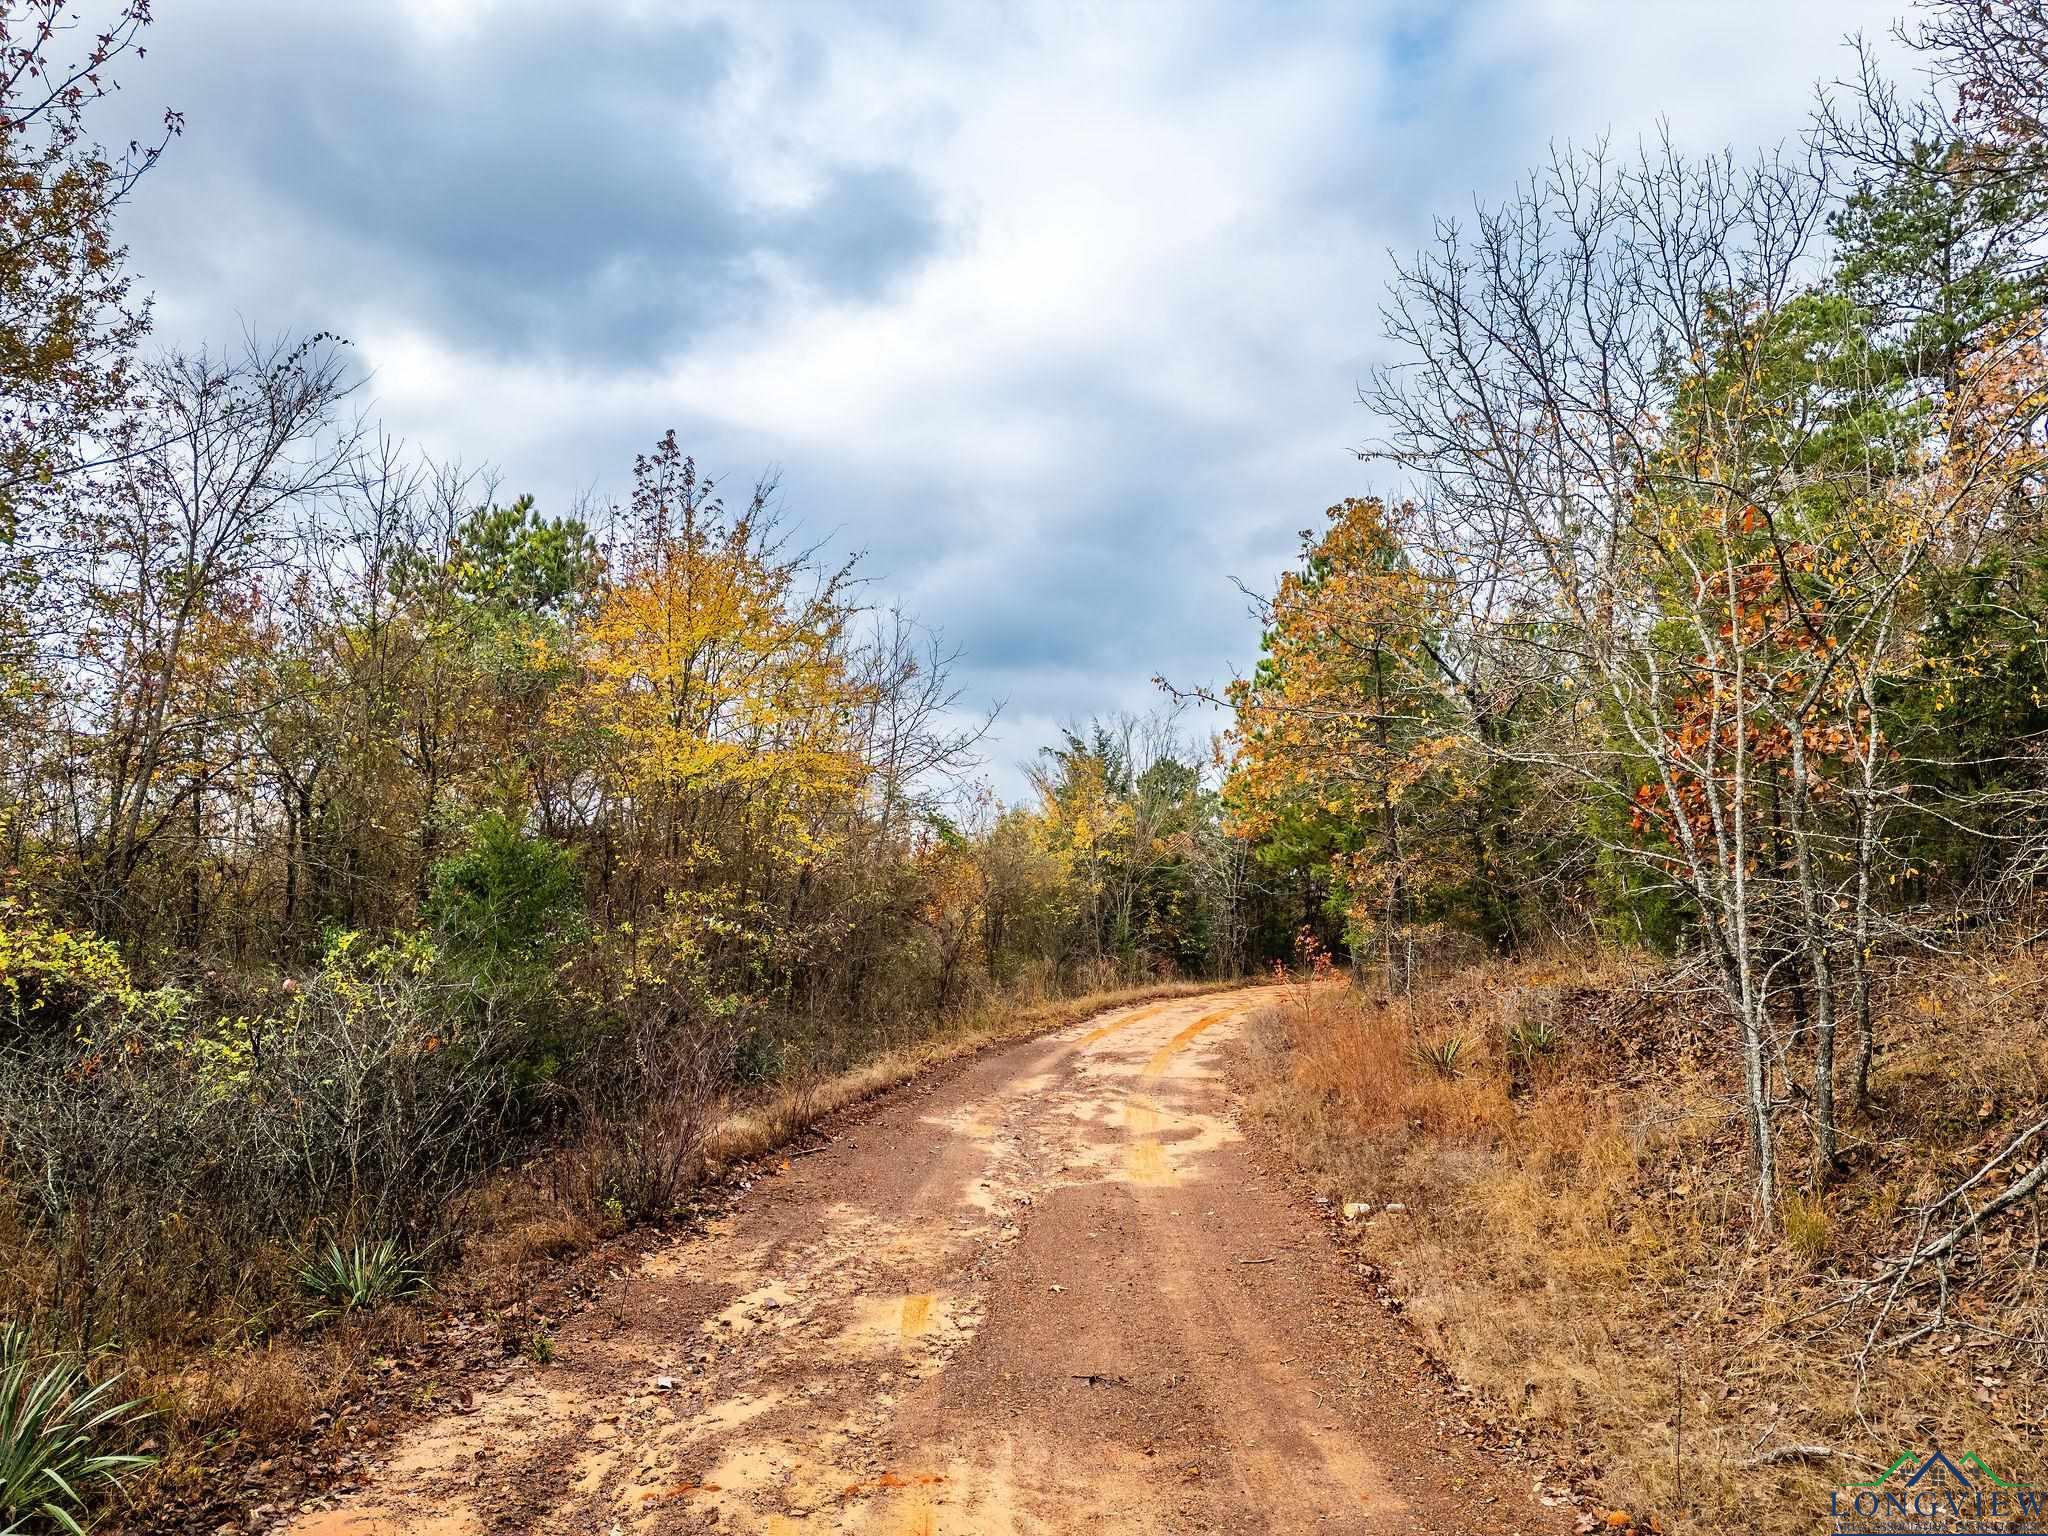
point(1056, 311)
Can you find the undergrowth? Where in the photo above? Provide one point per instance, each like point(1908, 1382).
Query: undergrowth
point(1578, 1241)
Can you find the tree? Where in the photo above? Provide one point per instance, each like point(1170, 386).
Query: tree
point(1995, 54)
point(1657, 455)
point(1935, 254)
point(1119, 806)
point(178, 549)
point(68, 327)
point(1345, 737)
point(712, 716)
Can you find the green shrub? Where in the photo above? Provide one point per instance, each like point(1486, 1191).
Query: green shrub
point(361, 1277)
point(58, 1430)
point(507, 898)
point(760, 1057)
point(54, 981)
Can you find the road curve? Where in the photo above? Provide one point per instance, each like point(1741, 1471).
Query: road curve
point(1051, 1292)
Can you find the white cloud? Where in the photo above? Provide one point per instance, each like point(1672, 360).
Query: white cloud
point(1121, 371)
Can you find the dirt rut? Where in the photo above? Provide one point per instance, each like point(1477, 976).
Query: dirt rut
point(1052, 1293)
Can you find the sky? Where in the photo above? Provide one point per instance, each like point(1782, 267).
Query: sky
point(1056, 313)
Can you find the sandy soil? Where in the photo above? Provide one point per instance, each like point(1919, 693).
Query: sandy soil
point(1052, 1292)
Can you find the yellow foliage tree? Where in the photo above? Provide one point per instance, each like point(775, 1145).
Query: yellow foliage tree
point(713, 709)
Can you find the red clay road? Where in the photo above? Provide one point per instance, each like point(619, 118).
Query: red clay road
point(1015, 1301)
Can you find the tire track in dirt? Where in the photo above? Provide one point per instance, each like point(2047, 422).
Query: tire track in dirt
point(1147, 1162)
point(1009, 1303)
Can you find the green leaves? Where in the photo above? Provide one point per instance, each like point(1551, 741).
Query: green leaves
point(1445, 1057)
point(58, 1428)
point(361, 1277)
point(53, 979)
point(511, 560)
point(506, 898)
point(1937, 254)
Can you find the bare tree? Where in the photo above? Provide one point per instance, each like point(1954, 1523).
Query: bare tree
point(197, 515)
point(1623, 393)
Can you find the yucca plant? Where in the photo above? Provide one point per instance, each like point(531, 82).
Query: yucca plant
point(1444, 1057)
point(360, 1278)
point(1532, 1037)
point(56, 1428)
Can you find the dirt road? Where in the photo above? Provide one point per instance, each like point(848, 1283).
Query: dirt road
point(1053, 1293)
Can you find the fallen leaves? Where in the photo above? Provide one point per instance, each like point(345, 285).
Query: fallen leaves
point(1617, 1520)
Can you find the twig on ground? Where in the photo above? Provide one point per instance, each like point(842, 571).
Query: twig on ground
point(1783, 1453)
point(1898, 1281)
point(2019, 1190)
point(1985, 1172)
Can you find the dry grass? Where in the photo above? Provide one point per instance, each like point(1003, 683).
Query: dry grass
point(516, 1224)
point(268, 1393)
point(1580, 1243)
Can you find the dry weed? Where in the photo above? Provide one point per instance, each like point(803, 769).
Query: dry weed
point(263, 1395)
point(1580, 1244)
